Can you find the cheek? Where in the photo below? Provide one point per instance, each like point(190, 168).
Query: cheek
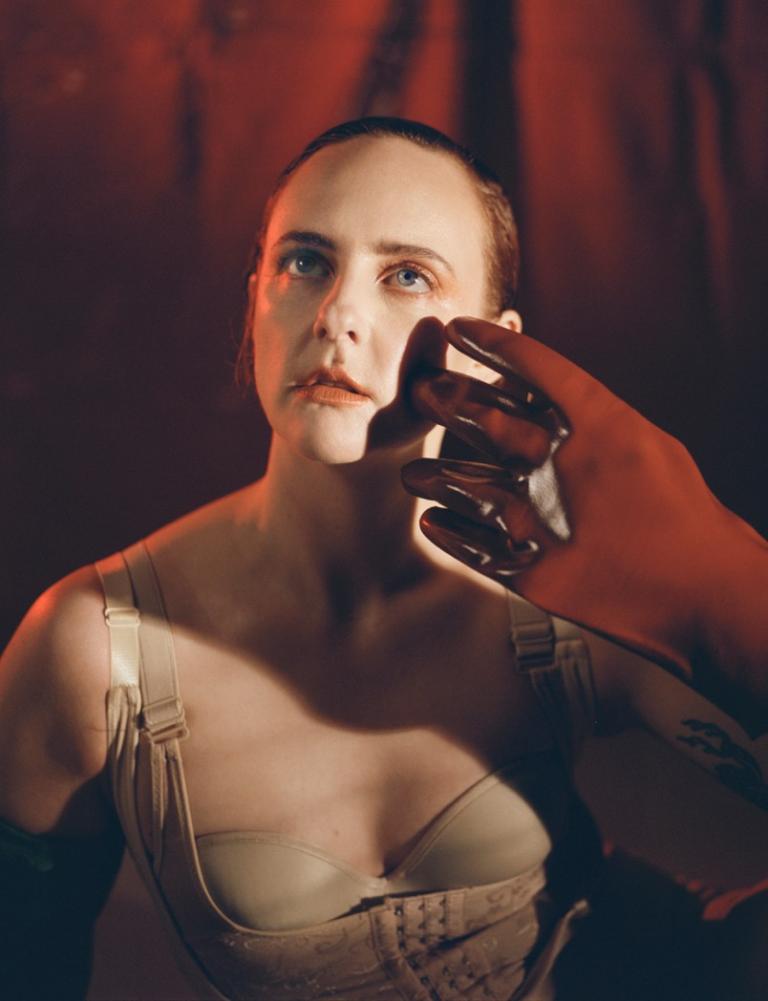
point(386, 358)
point(269, 357)
point(455, 361)
point(392, 344)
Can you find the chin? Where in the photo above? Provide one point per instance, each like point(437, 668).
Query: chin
point(331, 455)
point(331, 446)
point(337, 438)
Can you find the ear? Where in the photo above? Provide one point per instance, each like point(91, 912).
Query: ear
point(512, 320)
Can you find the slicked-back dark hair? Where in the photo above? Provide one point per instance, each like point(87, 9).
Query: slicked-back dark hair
point(503, 253)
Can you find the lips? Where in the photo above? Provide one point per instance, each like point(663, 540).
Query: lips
point(335, 378)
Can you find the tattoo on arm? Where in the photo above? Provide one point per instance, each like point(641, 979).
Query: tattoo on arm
point(738, 769)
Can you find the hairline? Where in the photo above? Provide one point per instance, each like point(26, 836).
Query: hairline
point(456, 155)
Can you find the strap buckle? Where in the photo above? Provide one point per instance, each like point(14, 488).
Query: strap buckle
point(534, 644)
point(122, 617)
point(164, 720)
point(532, 635)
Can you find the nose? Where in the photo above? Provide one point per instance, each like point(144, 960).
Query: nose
point(342, 316)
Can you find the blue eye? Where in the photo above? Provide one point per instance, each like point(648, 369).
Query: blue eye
point(412, 280)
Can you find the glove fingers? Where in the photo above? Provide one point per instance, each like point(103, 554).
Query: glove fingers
point(491, 350)
point(527, 364)
point(511, 476)
point(487, 550)
point(499, 349)
point(486, 417)
point(487, 495)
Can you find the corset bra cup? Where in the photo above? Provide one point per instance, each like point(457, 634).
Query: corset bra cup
point(489, 833)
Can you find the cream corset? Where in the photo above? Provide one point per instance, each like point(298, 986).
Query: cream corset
point(489, 833)
point(468, 913)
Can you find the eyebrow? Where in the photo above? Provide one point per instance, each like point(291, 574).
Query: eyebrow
point(313, 239)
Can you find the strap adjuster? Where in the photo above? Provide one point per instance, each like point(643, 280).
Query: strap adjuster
point(122, 617)
point(164, 720)
point(534, 644)
point(532, 635)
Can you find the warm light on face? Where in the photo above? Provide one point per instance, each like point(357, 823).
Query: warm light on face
point(366, 238)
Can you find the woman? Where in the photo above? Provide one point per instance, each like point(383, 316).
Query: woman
point(374, 798)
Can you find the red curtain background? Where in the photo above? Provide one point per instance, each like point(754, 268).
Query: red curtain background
point(139, 142)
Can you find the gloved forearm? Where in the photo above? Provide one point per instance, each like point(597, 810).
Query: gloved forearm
point(51, 890)
point(591, 512)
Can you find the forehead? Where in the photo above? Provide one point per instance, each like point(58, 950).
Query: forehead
point(376, 188)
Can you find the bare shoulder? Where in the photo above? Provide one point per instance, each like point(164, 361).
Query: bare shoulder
point(54, 680)
point(54, 676)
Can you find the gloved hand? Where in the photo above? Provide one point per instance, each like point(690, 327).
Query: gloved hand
point(584, 507)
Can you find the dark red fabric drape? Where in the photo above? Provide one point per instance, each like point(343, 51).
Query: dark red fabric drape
point(140, 143)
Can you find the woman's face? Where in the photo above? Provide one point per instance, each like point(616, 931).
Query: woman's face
point(367, 237)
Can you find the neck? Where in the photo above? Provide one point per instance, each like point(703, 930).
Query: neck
point(341, 535)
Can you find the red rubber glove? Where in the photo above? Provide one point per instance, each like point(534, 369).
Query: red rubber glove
point(585, 508)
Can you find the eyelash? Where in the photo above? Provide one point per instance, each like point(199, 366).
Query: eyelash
point(293, 255)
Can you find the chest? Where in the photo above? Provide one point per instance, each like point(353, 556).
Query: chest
point(354, 747)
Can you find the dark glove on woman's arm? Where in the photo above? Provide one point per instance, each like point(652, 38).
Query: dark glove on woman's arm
point(51, 890)
point(591, 512)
